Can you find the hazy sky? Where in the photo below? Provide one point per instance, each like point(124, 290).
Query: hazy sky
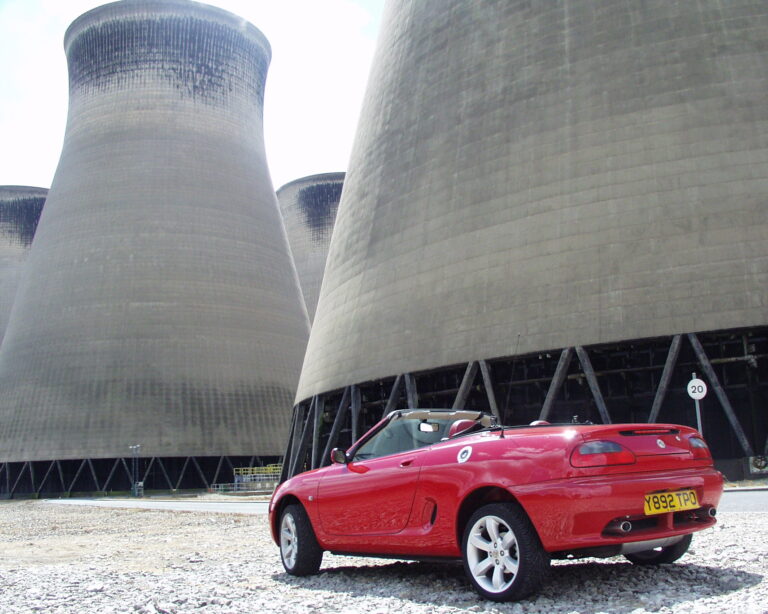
point(321, 53)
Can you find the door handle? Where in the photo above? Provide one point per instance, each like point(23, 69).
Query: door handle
point(406, 463)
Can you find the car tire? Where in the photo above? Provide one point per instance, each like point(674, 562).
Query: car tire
point(663, 555)
point(299, 550)
point(502, 554)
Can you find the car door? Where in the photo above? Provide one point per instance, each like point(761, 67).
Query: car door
point(373, 493)
point(369, 497)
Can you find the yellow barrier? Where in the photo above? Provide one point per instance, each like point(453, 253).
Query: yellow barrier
point(273, 470)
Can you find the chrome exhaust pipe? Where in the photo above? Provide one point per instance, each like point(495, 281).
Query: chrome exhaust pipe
point(619, 527)
point(704, 514)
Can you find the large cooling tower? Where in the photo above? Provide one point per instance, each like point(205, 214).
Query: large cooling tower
point(532, 176)
point(20, 208)
point(309, 209)
point(160, 306)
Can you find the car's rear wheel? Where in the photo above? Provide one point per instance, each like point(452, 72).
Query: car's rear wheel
point(299, 550)
point(659, 556)
point(503, 557)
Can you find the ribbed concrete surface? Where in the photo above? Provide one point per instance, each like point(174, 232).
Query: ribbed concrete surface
point(160, 306)
point(20, 208)
point(309, 209)
point(569, 172)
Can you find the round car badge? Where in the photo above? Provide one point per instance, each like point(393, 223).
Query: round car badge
point(464, 454)
point(660, 443)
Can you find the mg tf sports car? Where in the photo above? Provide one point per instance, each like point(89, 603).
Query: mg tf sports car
point(442, 484)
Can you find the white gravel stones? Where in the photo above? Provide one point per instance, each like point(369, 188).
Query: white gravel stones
point(63, 559)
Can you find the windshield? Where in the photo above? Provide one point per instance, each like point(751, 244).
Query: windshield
point(412, 430)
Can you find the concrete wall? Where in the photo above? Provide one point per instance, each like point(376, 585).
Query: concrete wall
point(20, 208)
point(309, 209)
point(160, 305)
point(534, 175)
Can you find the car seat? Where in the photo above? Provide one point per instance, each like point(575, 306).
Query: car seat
point(459, 427)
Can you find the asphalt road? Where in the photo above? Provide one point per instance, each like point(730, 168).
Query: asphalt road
point(753, 500)
point(183, 505)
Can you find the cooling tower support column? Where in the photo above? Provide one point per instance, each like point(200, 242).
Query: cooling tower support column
point(160, 306)
point(666, 377)
point(720, 393)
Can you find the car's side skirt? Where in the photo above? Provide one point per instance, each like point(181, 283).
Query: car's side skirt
point(400, 557)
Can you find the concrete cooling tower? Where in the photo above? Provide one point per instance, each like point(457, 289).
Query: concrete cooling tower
point(160, 306)
point(309, 209)
point(20, 208)
point(554, 209)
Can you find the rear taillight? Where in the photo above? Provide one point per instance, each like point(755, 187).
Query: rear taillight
point(699, 448)
point(600, 454)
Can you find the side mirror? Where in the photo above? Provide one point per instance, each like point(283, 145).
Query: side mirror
point(339, 456)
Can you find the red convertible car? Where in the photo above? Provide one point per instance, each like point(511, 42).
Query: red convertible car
point(443, 484)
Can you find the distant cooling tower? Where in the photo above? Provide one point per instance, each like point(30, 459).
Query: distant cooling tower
point(20, 208)
point(309, 208)
point(533, 179)
point(160, 307)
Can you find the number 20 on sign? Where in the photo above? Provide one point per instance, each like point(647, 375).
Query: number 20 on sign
point(697, 389)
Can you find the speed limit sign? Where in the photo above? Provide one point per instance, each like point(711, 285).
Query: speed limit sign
point(697, 389)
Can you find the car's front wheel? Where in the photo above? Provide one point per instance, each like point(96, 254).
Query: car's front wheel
point(299, 550)
point(503, 557)
point(669, 554)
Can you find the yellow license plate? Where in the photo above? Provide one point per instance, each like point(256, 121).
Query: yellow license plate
point(663, 502)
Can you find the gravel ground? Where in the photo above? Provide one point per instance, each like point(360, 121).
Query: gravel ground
point(80, 559)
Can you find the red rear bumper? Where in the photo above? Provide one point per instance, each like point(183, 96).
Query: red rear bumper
point(573, 513)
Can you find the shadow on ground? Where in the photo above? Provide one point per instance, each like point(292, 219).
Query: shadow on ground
point(618, 587)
